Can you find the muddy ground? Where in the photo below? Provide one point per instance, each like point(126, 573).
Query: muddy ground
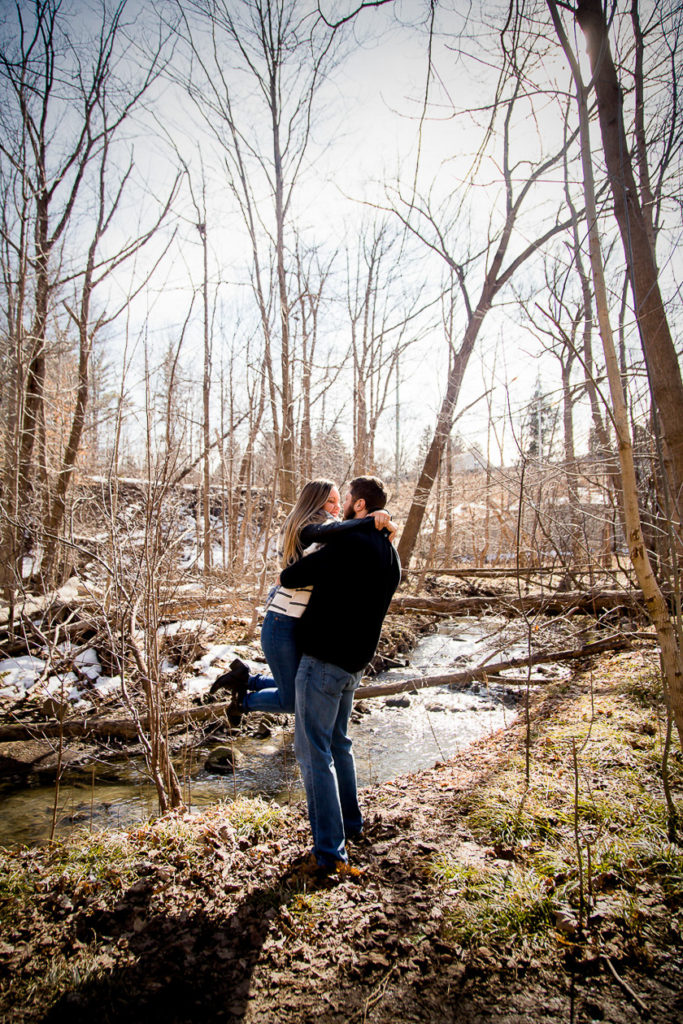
point(204, 917)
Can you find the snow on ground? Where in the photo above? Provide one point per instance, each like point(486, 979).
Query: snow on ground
point(59, 684)
point(107, 684)
point(204, 675)
point(18, 676)
point(171, 628)
point(217, 652)
point(88, 664)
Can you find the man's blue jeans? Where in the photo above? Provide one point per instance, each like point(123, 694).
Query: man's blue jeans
point(324, 696)
point(276, 693)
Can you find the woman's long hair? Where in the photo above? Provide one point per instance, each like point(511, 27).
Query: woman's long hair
point(308, 509)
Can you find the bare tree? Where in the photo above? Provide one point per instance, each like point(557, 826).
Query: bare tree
point(381, 315)
point(258, 68)
point(317, 373)
point(62, 109)
point(200, 207)
point(556, 324)
point(634, 209)
point(654, 599)
point(437, 230)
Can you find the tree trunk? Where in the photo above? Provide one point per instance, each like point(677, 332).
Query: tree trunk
point(287, 467)
point(654, 599)
point(442, 430)
point(571, 471)
point(658, 347)
point(206, 408)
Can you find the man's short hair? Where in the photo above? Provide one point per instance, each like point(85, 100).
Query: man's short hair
point(371, 490)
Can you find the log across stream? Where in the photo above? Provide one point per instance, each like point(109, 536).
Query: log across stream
point(399, 732)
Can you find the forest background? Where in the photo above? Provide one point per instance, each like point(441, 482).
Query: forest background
point(244, 243)
point(248, 243)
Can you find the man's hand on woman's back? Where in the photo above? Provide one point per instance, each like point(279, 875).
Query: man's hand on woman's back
point(383, 522)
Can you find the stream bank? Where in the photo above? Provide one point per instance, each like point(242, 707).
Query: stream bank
point(108, 788)
point(497, 886)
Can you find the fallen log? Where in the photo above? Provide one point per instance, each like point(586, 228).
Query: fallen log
point(460, 680)
point(514, 572)
point(550, 604)
point(71, 595)
point(119, 727)
point(125, 728)
point(26, 632)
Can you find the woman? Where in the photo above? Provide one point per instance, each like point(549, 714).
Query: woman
point(312, 521)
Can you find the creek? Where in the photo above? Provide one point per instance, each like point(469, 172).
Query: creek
point(391, 736)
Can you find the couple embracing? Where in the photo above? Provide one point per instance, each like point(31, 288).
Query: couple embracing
point(321, 629)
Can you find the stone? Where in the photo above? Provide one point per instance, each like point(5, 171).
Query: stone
point(223, 760)
point(398, 702)
point(20, 756)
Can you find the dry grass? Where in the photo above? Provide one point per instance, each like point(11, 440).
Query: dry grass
point(582, 850)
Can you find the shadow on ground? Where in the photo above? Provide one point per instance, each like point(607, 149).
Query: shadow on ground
point(188, 966)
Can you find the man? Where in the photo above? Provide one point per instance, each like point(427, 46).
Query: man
point(353, 582)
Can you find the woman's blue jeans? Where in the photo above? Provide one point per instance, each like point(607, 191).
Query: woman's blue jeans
point(324, 697)
point(276, 693)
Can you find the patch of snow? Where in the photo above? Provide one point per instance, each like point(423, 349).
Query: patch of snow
point(107, 684)
point(28, 564)
point(92, 671)
point(18, 675)
point(70, 590)
point(88, 657)
point(55, 684)
point(88, 664)
point(215, 653)
point(171, 628)
point(198, 684)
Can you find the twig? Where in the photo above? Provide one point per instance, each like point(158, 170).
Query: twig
point(374, 996)
point(626, 987)
point(577, 838)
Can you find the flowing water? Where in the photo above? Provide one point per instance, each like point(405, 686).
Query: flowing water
point(391, 736)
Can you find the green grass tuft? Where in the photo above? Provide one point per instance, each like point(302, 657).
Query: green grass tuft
point(254, 818)
point(494, 907)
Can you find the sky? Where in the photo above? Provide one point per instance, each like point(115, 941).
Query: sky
point(365, 138)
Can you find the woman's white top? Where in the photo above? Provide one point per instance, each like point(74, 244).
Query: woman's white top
point(290, 602)
point(293, 603)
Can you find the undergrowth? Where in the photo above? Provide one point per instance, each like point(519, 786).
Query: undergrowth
point(94, 870)
point(116, 859)
point(574, 860)
point(580, 853)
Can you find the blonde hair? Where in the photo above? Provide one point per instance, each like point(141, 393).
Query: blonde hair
point(308, 509)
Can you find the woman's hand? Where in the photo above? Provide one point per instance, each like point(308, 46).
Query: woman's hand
point(383, 522)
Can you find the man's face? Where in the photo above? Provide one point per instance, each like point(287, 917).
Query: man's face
point(348, 506)
point(352, 507)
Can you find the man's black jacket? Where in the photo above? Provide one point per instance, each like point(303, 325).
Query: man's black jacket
point(353, 581)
